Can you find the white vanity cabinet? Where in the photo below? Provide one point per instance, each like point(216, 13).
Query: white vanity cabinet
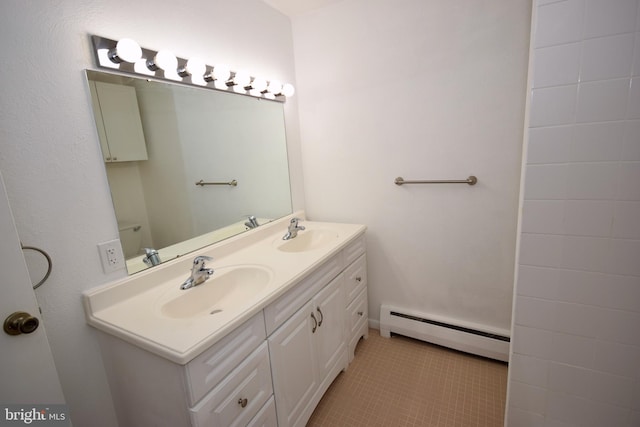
point(307, 352)
point(118, 122)
point(268, 371)
point(311, 348)
point(357, 318)
point(227, 385)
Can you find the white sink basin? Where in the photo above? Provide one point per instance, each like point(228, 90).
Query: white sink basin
point(228, 288)
point(307, 240)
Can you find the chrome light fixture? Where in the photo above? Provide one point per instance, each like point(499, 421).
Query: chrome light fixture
point(127, 56)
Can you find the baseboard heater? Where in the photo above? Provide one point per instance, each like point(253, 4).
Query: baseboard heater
point(445, 332)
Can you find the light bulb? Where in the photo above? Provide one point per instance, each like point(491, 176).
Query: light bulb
point(140, 67)
point(221, 72)
point(194, 67)
point(164, 60)
point(275, 87)
point(242, 79)
point(126, 50)
point(288, 90)
point(105, 61)
point(258, 84)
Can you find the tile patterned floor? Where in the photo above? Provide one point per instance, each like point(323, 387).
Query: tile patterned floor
point(402, 382)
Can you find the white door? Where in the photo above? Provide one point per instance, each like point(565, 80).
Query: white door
point(294, 365)
point(330, 309)
point(27, 372)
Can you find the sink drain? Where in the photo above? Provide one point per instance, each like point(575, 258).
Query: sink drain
point(216, 311)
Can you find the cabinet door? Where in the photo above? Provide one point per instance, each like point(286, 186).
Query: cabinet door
point(122, 124)
point(294, 364)
point(329, 305)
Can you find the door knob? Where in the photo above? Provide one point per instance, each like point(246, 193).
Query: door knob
point(20, 323)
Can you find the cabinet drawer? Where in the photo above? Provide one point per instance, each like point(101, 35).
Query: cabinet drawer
point(284, 307)
point(354, 250)
point(356, 277)
point(267, 415)
point(239, 397)
point(206, 370)
point(358, 313)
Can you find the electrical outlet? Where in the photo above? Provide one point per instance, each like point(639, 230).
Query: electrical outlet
point(111, 255)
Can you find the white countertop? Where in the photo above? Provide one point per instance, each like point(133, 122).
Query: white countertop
point(131, 309)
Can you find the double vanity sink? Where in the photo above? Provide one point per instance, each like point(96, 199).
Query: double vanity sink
point(152, 331)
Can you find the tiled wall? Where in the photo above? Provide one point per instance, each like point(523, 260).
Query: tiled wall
point(576, 341)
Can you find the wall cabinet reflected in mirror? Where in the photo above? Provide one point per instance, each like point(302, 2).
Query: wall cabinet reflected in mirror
point(158, 139)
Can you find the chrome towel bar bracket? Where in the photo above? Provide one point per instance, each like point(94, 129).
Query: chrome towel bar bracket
point(232, 183)
point(472, 180)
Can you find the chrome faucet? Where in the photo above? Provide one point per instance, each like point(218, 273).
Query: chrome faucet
point(152, 257)
point(293, 229)
point(252, 223)
point(199, 273)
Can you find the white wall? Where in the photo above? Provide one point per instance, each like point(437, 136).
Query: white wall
point(50, 157)
point(576, 342)
point(423, 90)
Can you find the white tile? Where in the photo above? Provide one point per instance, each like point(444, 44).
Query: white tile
point(626, 222)
point(528, 397)
point(624, 257)
point(607, 17)
point(634, 99)
point(592, 181)
point(607, 57)
point(543, 2)
point(595, 142)
point(535, 313)
point(545, 182)
point(629, 186)
point(622, 293)
point(559, 23)
point(538, 281)
point(636, 395)
point(532, 342)
point(583, 287)
point(556, 423)
point(543, 216)
point(573, 350)
point(544, 250)
point(530, 370)
point(567, 408)
point(585, 253)
point(599, 414)
point(610, 388)
point(550, 144)
point(557, 65)
point(617, 358)
point(554, 105)
point(617, 326)
point(576, 319)
point(588, 218)
point(521, 417)
point(631, 145)
point(569, 379)
point(636, 55)
point(603, 100)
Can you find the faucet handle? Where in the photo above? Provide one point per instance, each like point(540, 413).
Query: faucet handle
point(198, 262)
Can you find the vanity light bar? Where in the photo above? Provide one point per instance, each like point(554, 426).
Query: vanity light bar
point(127, 56)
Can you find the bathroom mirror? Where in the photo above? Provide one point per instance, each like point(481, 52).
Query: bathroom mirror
point(159, 139)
